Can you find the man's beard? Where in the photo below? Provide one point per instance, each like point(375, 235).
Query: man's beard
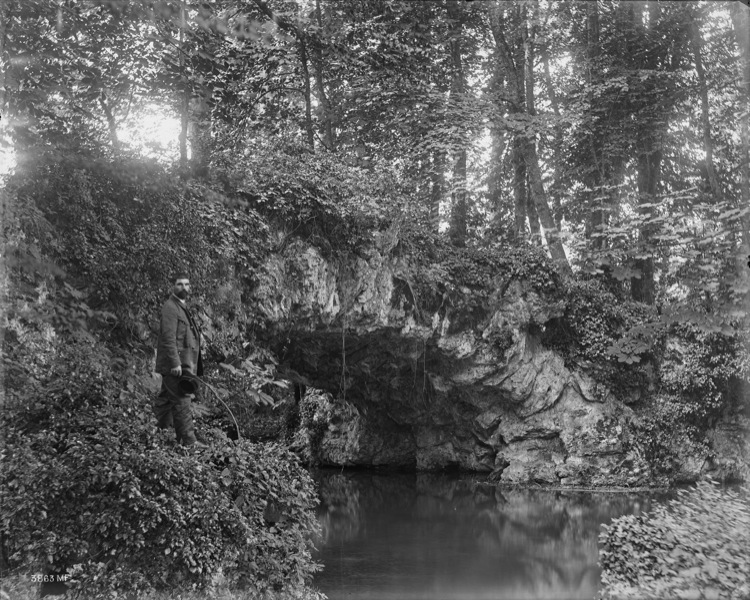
point(182, 294)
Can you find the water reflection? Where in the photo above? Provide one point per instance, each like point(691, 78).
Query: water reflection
point(426, 536)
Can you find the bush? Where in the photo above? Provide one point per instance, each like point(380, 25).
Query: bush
point(316, 411)
point(92, 489)
point(276, 496)
point(600, 328)
point(316, 197)
point(665, 432)
point(616, 340)
point(700, 381)
point(703, 368)
point(119, 233)
point(693, 547)
point(465, 279)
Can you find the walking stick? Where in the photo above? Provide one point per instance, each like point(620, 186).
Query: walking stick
point(229, 410)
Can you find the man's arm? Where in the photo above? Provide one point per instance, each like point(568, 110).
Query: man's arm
point(168, 337)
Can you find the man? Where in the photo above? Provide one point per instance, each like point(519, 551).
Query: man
point(178, 354)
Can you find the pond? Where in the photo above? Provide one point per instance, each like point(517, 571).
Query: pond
point(449, 537)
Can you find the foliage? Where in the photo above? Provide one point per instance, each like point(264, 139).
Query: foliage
point(600, 328)
point(341, 125)
point(266, 483)
point(666, 429)
point(364, 97)
point(22, 588)
point(691, 548)
point(73, 66)
point(251, 378)
point(316, 411)
point(691, 375)
point(92, 489)
point(370, 85)
point(247, 401)
point(452, 277)
point(695, 245)
point(703, 369)
point(319, 198)
point(118, 233)
point(700, 376)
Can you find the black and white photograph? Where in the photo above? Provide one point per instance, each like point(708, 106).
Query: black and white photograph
point(375, 300)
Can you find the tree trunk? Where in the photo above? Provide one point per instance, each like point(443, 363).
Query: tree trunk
point(649, 159)
point(499, 147)
point(531, 158)
point(551, 233)
point(459, 205)
point(495, 177)
point(598, 206)
point(741, 21)
point(185, 100)
point(509, 59)
point(550, 87)
point(528, 39)
point(111, 124)
point(518, 64)
point(519, 56)
point(696, 43)
point(328, 134)
point(293, 29)
point(4, 65)
point(198, 134)
point(302, 48)
point(458, 231)
point(520, 194)
point(437, 190)
point(534, 226)
point(558, 131)
point(642, 288)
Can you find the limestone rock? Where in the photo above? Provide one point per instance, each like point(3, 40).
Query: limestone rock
point(450, 389)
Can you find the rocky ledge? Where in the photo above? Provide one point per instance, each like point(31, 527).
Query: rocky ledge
point(471, 390)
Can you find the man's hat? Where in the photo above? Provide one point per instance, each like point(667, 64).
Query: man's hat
point(188, 383)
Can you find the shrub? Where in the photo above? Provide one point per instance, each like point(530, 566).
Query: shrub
point(702, 367)
point(316, 411)
point(616, 340)
point(466, 278)
point(666, 428)
point(700, 373)
point(316, 197)
point(693, 547)
point(276, 497)
point(598, 327)
point(120, 233)
point(91, 488)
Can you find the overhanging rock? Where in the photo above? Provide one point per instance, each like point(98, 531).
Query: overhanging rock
point(473, 390)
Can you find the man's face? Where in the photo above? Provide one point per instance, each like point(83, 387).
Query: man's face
point(182, 288)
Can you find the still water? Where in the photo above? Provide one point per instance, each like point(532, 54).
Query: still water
point(449, 537)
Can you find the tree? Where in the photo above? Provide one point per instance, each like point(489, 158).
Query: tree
point(741, 20)
point(74, 68)
point(459, 200)
point(584, 105)
point(519, 68)
point(696, 46)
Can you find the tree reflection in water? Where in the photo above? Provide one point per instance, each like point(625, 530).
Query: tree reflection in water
point(407, 536)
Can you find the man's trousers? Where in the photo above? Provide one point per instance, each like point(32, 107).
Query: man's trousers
point(173, 409)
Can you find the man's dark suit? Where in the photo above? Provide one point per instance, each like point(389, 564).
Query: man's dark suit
point(178, 346)
point(179, 339)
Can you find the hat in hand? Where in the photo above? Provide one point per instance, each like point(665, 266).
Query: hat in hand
point(188, 382)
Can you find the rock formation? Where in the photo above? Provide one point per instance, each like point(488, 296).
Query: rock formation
point(450, 388)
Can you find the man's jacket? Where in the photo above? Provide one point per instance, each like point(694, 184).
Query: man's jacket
point(179, 340)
